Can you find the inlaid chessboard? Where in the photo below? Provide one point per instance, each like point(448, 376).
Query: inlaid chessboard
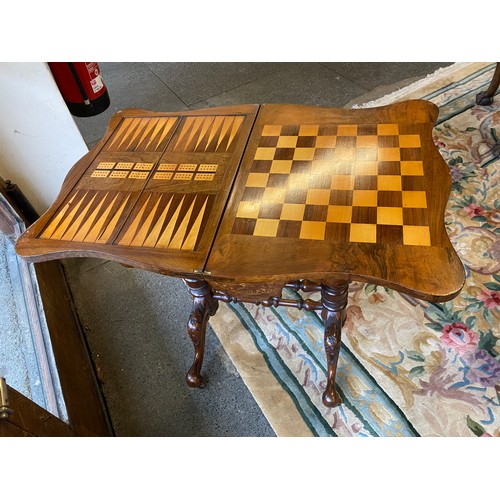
point(358, 183)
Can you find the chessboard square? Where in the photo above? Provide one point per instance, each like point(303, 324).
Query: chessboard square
point(347, 130)
point(252, 193)
point(262, 166)
point(281, 166)
point(415, 217)
point(273, 195)
point(300, 167)
point(271, 130)
point(411, 154)
point(413, 182)
point(284, 153)
point(304, 154)
point(326, 141)
point(363, 233)
point(389, 199)
point(339, 213)
point(264, 154)
point(343, 198)
point(346, 142)
point(306, 141)
point(366, 168)
point(388, 141)
point(391, 216)
point(387, 129)
point(269, 211)
point(289, 229)
point(311, 230)
point(309, 130)
point(277, 180)
point(344, 154)
point(296, 196)
point(320, 181)
point(342, 182)
point(287, 141)
point(290, 129)
point(337, 232)
point(409, 141)
point(243, 226)
point(389, 154)
point(366, 141)
point(416, 235)
point(248, 209)
point(365, 182)
point(367, 129)
point(414, 199)
point(292, 211)
point(298, 181)
point(318, 197)
point(389, 168)
point(389, 183)
point(364, 215)
point(364, 198)
point(257, 179)
point(412, 168)
point(270, 141)
point(337, 167)
point(266, 227)
point(367, 154)
point(316, 213)
point(389, 235)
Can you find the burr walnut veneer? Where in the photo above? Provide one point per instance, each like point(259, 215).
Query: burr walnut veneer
point(243, 201)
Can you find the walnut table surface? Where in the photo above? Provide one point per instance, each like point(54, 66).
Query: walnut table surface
point(243, 201)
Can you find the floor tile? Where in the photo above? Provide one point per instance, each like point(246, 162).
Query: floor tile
point(373, 74)
point(193, 81)
point(300, 83)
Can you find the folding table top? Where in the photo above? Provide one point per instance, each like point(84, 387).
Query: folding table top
point(262, 194)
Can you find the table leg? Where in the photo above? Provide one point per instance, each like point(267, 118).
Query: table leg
point(485, 98)
point(334, 301)
point(204, 306)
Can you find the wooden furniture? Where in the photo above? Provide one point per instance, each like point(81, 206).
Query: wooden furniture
point(243, 201)
point(57, 336)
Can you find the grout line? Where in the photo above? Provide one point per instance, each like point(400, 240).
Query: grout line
point(164, 83)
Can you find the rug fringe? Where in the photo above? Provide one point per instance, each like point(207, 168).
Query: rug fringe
point(413, 87)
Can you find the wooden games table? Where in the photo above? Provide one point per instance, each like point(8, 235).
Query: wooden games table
point(243, 201)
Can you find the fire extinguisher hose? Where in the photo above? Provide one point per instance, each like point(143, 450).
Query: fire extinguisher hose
point(85, 97)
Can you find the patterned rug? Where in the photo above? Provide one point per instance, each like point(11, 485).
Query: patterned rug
point(406, 367)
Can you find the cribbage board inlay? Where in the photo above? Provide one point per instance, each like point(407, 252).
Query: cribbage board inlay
point(347, 183)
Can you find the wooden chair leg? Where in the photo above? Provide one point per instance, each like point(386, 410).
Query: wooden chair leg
point(204, 306)
point(485, 98)
point(334, 299)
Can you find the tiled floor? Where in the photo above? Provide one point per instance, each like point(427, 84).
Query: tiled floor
point(135, 321)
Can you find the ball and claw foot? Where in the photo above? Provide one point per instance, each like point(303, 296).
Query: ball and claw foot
point(195, 380)
point(331, 399)
point(483, 99)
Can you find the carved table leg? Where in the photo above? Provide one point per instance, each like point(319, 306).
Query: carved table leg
point(334, 301)
point(485, 98)
point(204, 306)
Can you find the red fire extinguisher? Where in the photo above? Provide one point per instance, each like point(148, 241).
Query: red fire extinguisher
point(81, 86)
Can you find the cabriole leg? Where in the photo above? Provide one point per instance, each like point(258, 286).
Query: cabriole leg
point(334, 301)
point(204, 306)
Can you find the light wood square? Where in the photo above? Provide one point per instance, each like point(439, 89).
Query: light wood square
point(416, 235)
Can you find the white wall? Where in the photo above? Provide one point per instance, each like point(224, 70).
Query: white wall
point(39, 140)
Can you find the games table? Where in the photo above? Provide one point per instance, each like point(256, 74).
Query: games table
point(243, 201)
